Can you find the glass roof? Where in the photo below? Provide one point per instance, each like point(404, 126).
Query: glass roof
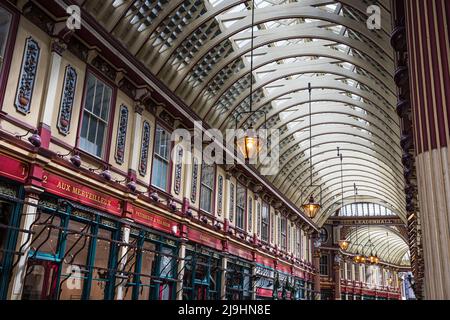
point(385, 242)
point(365, 210)
point(201, 50)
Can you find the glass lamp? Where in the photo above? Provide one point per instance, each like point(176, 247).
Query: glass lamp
point(311, 208)
point(250, 144)
point(344, 244)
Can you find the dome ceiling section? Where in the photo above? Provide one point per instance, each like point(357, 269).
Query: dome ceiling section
point(201, 50)
point(387, 243)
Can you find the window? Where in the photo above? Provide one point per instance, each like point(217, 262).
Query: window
point(95, 119)
point(265, 223)
point(283, 229)
point(241, 195)
point(324, 265)
point(5, 25)
point(349, 271)
point(161, 159)
point(298, 242)
point(207, 188)
point(323, 235)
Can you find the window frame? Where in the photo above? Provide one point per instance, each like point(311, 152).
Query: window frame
point(283, 233)
point(169, 161)
point(244, 208)
point(108, 138)
point(213, 190)
point(267, 224)
point(9, 48)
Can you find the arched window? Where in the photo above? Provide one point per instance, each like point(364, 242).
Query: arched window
point(365, 209)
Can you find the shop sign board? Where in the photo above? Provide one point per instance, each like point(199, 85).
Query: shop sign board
point(154, 221)
point(13, 169)
point(71, 190)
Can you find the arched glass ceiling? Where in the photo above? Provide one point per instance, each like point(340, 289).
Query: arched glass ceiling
point(387, 243)
point(201, 50)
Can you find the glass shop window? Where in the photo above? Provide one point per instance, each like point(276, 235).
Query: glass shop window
point(46, 234)
point(147, 269)
point(95, 121)
point(238, 282)
point(100, 273)
point(207, 188)
point(265, 222)
point(5, 220)
point(241, 195)
point(74, 264)
point(5, 25)
point(139, 275)
point(202, 277)
point(160, 172)
point(166, 285)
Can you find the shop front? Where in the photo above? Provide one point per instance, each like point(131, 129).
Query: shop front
point(238, 279)
point(150, 270)
point(13, 174)
point(202, 273)
point(78, 250)
point(11, 198)
point(71, 253)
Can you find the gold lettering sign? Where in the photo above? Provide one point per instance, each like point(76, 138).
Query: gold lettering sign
point(77, 192)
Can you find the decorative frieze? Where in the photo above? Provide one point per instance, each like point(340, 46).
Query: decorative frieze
point(67, 99)
point(194, 180)
point(143, 162)
point(8, 190)
point(178, 170)
point(219, 195)
point(27, 76)
point(121, 135)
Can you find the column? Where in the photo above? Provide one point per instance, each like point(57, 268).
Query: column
point(223, 279)
point(24, 240)
point(50, 104)
point(337, 277)
point(253, 283)
point(428, 27)
point(316, 264)
point(180, 271)
point(122, 260)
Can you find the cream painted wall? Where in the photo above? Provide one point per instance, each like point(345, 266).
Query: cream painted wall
point(25, 30)
point(150, 118)
point(122, 99)
point(80, 67)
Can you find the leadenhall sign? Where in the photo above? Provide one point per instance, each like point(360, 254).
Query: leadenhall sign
point(71, 190)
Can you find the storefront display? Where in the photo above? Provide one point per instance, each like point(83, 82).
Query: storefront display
point(10, 207)
point(202, 274)
point(71, 253)
point(238, 280)
point(150, 270)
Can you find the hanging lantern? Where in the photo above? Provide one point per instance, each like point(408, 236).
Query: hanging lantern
point(250, 145)
point(344, 244)
point(372, 259)
point(311, 208)
point(357, 258)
